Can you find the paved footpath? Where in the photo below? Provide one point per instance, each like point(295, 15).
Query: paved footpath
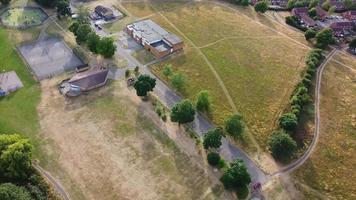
point(200, 125)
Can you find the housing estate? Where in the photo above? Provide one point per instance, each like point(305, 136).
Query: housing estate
point(303, 15)
point(85, 81)
point(154, 38)
point(9, 82)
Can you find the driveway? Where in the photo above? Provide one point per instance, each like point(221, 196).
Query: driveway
point(200, 125)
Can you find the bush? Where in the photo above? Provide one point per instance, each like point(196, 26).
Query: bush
point(213, 158)
point(127, 73)
point(261, 6)
point(9, 191)
point(164, 117)
point(235, 126)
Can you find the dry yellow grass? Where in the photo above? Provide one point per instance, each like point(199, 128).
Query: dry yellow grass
point(331, 168)
point(258, 67)
point(104, 145)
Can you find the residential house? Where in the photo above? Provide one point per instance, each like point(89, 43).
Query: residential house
point(321, 13)
point(154, 38)
point(342, 26)
point(350, 15)
point(303, 15)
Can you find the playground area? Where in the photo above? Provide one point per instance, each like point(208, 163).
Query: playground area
point(23, 17)
point(49, 57)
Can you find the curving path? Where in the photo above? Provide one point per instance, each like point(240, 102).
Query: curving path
point(57, 186)
point(293, 166)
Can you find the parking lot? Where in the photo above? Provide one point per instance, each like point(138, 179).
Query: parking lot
point(49, 57)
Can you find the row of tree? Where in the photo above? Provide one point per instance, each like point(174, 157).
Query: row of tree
point(85, 35)
point(323, 38)
point(236, 175)
point(18, 179)
point(281, 144)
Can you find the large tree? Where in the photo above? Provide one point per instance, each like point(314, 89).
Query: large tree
point(93, 42)
point(9, 191)
point(309, 34)
point(63, 7)
point(82, 33)
point(183, 112)
point(203, 101)
point(144, 84)
point(212, 139)
point(47, 3)
point(324, 38)
point(106, 47)
point(261, 6)
point(235, 126)
point(178, 80)
point(288, 121)
point(236, 176)
point(281, 145)
point(15, 157)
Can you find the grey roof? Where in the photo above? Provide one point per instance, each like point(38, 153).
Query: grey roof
point(173, 39)
point(161, 46)
point(87, 80)
point(9, 81)
point(149, 30)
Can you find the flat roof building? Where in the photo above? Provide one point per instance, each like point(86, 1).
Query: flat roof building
point(154, 38)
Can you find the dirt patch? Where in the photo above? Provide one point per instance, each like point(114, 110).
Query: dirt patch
point(104, 145)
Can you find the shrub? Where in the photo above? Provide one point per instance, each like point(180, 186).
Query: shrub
point(213, 158)
point(261, 6)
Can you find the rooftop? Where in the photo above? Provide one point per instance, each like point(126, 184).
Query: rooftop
point(148, 30)
point(89, 79)
point(9, 81)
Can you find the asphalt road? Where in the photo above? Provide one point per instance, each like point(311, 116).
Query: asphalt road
point(200, 125)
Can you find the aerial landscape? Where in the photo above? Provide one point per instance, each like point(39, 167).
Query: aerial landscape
point(177, 99)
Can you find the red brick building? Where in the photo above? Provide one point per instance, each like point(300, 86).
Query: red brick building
point(154, 38)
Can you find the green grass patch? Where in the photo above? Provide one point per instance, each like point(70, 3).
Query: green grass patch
point(143, 56)
point(18, 110)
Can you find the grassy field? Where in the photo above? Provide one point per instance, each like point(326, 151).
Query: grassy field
point(258, 66)
point(18, 110)
point(110, 146)
point(331, 168)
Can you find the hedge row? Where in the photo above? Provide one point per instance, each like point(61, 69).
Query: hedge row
point(300, 97)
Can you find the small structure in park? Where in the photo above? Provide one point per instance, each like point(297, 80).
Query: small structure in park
point(105, 13)
point(154, 38)
point(9, 82)
point(83, 82)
